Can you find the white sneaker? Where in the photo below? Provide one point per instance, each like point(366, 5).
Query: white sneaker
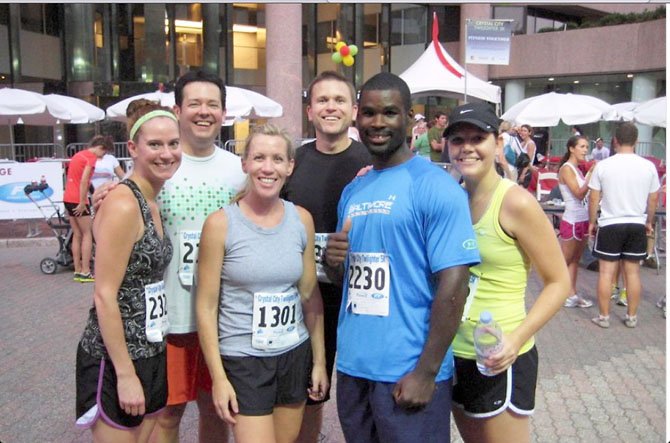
point(575, 301)
point(630, 321)
point(571, 301)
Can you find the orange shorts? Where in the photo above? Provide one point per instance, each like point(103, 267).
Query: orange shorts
point(187, 371)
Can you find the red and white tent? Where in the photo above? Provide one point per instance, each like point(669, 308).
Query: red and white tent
point(436, 73)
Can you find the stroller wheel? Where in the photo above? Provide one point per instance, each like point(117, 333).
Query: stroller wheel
point(48, 265)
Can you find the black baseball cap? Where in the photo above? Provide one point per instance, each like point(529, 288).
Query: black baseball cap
point(479, 114)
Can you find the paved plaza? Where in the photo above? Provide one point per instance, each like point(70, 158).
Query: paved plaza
point(595, 385)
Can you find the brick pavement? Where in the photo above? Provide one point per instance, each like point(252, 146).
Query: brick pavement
point(595, 385)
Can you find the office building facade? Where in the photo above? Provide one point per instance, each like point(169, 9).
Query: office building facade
point(105, 52)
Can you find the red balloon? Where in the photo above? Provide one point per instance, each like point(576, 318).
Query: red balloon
point(344, 51)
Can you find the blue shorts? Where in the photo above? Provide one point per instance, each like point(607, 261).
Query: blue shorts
point(368, 413)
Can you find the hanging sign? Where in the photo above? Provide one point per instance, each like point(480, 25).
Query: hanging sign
point(488, 41)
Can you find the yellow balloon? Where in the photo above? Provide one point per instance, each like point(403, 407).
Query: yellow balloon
point(348, 60)
point(339, 45)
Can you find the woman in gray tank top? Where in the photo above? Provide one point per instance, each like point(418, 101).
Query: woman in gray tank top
point(259, 310)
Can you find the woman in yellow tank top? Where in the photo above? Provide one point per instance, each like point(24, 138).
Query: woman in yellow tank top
point(513, 233)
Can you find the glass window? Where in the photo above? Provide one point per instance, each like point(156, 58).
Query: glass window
point(4, 14)
point(192, 12)
point(450, 23)
point(414, 25)
point(98, 30)
point(32, 17)
point(544, 23)
point(188, 36)
point(371, 29)
point(396, 27)
point(516, 13)
point(52, 21)
point(325, 36)
point(541, 20)
point(249, 38)
point(408, 25)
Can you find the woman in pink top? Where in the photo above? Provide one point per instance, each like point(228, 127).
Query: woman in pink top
point(573, 230)
point(75, 199)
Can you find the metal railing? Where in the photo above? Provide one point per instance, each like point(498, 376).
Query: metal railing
point(120, 149)
point(230, 145)
point(23, 152)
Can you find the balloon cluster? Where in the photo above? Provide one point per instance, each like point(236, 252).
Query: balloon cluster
point(344, 54)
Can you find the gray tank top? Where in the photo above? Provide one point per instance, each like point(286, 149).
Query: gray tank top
point(258, 312)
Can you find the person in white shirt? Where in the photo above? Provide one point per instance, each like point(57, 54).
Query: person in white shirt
point(600, 152)
point(106, 169)
point(625, 189)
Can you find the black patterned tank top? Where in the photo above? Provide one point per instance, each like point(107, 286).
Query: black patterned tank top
point(148, 259)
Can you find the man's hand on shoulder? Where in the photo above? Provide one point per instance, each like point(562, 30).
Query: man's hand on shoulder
point(101, 192)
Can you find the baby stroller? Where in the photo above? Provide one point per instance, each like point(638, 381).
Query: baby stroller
point(57, 221)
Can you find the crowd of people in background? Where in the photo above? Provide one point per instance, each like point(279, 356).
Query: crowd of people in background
point(246, 283)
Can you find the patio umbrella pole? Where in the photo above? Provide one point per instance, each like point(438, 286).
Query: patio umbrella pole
point(11, 141)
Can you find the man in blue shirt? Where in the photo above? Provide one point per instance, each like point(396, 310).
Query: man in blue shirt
point(404, 246)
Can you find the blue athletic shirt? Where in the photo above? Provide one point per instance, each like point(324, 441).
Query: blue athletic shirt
point(419, 216)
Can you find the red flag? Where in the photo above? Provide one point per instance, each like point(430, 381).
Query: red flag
point(438, 49)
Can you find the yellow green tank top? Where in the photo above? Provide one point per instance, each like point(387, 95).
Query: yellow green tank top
point(499, 281)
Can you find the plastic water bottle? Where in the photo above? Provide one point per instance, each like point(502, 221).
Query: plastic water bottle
point(488, 340)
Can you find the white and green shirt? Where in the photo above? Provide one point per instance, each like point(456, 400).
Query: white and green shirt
point(200, 186)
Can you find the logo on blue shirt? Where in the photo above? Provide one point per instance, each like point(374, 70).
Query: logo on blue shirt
point(470, 244)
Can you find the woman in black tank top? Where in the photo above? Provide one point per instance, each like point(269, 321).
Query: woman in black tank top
point(121, 374)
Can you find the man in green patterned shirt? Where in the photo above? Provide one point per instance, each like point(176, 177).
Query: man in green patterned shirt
point(206, 180)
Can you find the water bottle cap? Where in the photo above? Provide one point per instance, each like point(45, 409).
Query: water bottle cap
point(485, 317)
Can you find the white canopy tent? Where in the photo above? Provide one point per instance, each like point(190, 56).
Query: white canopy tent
point(436, 73)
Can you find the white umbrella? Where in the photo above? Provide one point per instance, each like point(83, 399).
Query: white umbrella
point(18, 106)
point(652, 112)
point(261, 106)
point(624, 110)
point(31, 108)
point(548, 109)
point(27, 107)
point(117, 111)
point(240, 103)
point(80, 110)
